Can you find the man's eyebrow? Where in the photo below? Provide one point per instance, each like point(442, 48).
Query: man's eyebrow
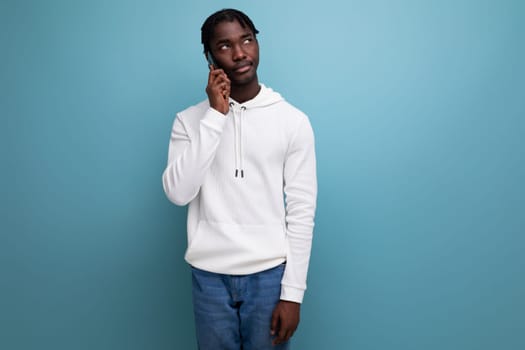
point(222, 41)
point(247, 35)
point(242, 36)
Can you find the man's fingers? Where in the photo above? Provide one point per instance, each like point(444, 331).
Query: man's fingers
point(219, 81)
point(284, 334)
point(281, 339)
point(219, 84)
point(274, 323)
point(217, 74)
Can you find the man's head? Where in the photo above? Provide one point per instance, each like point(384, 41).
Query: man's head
point(230, 36)
point(224, 15)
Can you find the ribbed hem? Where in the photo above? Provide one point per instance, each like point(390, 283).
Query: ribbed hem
point(292, 294)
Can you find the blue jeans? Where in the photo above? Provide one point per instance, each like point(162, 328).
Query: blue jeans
point(234, 312)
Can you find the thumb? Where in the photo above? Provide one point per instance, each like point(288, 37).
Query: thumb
point(275, 321)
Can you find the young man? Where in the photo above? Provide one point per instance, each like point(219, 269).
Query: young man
point(244, 160)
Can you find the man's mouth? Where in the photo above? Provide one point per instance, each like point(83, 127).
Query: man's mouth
point(242, 68)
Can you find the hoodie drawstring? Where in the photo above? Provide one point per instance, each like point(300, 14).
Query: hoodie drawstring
point(241, 154)
point(264, 98)
point(237, 142)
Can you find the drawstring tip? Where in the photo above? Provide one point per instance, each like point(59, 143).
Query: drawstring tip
point(237, 173)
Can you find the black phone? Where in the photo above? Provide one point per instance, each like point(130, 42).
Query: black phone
point(210, 60)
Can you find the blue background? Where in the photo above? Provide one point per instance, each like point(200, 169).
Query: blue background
point(418, 109)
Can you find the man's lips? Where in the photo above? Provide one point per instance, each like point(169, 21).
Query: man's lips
point(243, 67)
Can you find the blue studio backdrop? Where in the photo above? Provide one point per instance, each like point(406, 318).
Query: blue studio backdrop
point(418, 109)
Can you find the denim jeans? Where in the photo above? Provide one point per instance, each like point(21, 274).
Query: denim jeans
point(234, 312)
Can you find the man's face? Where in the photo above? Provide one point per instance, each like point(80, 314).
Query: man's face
point(236, 51)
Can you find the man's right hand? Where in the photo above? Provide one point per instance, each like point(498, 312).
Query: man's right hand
point(218, 90)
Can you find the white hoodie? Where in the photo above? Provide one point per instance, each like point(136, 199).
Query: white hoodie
point(250, 180)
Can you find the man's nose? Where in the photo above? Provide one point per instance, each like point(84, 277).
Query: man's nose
point(238, 53)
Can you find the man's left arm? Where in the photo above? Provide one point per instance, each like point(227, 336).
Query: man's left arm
point(300, 188)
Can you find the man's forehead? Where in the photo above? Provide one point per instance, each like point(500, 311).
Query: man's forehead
point(230, 29)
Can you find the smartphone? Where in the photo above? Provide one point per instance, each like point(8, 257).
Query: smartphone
point(210, 60)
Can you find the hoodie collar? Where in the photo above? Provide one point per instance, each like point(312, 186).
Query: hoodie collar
point(265, 97)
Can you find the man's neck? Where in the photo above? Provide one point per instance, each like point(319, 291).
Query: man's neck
point(243, 93)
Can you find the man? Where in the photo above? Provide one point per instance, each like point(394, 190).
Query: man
point(244, 160)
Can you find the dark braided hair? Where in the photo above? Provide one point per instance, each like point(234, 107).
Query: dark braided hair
point(224, 15)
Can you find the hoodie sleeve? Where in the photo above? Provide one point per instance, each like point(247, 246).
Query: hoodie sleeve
point(300, 187)
point(191, 151)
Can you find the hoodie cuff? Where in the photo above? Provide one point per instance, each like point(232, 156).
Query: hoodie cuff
point(214, 119)
point(292, 294)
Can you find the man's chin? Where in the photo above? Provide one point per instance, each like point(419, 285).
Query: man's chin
point(243, 81)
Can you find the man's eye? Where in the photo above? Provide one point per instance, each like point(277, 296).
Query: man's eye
point(247, 41)
point(224, 47)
